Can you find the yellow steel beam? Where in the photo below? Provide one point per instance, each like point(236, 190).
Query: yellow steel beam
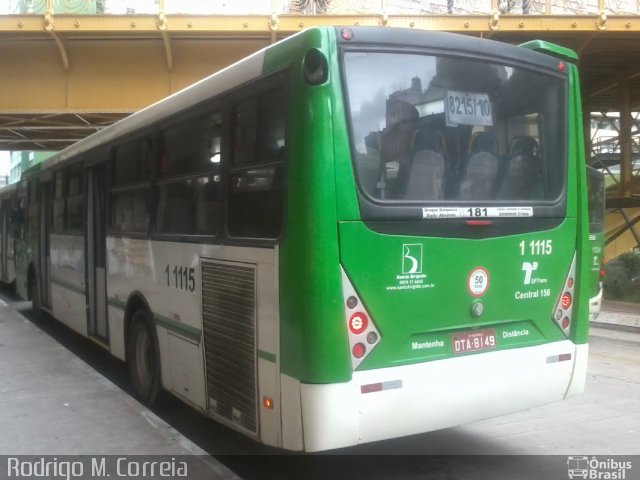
point(107, 74)
point(264, 25)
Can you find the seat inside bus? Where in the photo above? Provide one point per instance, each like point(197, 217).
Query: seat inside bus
point(521, 175)
point(426, 178)
point(481, 167)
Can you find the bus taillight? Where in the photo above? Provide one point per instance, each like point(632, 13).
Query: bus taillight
point(359, 350)
point(358, 323)
point(564, 306)
point(566, 300)
point(362, 332)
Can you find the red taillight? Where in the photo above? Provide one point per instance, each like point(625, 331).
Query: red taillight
point(358, 322)
point(566, 300)
point(359, 350)
point(347, 34)
point(361, 327)
point(563, 311)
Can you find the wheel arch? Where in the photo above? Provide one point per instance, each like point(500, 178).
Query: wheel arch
point(135, 302)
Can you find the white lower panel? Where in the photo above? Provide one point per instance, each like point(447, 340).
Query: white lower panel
point(291, 414)
point(579, 378)
point(70, 308)
point(269, 417)
point(186, 370)
point(116, 332)
point(436, 395)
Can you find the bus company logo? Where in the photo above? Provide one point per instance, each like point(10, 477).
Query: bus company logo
point(595, 469)
point(528, 268)
point(412, 258)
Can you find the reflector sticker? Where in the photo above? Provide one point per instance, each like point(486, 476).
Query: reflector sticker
point(478, 281)
point(439, 213)
point(378, 387)
point(565, 357)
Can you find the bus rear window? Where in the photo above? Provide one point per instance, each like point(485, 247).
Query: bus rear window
point(444, 129)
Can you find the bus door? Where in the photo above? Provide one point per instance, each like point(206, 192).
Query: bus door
point(46, 215)
point(96, 254)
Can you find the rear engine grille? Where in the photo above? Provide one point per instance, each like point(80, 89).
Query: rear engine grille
point(229, 323)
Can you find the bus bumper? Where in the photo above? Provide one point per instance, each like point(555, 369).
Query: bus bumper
point(406, 400)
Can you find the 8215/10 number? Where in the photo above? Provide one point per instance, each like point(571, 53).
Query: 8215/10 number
point(184, 278)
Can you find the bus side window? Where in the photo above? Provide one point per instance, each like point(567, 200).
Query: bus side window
point(32, 226)
point(256, 192)
point(189, 177)
point(74, 216)
point(58, 201)
point(130, 193)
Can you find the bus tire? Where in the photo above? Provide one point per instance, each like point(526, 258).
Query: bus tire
point(143, 358)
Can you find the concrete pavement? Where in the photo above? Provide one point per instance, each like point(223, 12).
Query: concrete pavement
point(53, 403)
point(621, 315)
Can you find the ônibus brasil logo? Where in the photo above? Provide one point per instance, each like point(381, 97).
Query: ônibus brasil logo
point(596, 469)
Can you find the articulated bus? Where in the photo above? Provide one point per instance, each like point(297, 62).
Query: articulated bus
point(352, 235)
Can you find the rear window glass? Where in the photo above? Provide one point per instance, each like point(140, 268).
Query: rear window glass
point(436, 129)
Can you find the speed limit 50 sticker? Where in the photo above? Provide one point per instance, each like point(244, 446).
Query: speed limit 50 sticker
point(478, 281)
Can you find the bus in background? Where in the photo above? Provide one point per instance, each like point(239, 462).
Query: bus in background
point(596, 201)
point(8, 205)
point(319, 260)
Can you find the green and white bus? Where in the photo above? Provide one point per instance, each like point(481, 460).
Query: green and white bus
point(352, 235)
point(8, 199)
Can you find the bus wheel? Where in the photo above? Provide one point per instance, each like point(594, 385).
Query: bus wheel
point(143, 358)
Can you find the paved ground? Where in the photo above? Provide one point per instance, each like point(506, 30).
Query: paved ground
point(53, 403)
point(619, 314)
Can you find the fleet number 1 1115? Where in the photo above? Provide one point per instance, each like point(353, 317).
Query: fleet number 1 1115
point(536, 247)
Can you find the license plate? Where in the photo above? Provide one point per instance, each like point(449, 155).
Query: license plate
point(473, 341)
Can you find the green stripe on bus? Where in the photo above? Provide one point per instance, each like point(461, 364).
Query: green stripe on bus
point(114, 302)
point(269, 357)
point(177, 327)
point(67, 285)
